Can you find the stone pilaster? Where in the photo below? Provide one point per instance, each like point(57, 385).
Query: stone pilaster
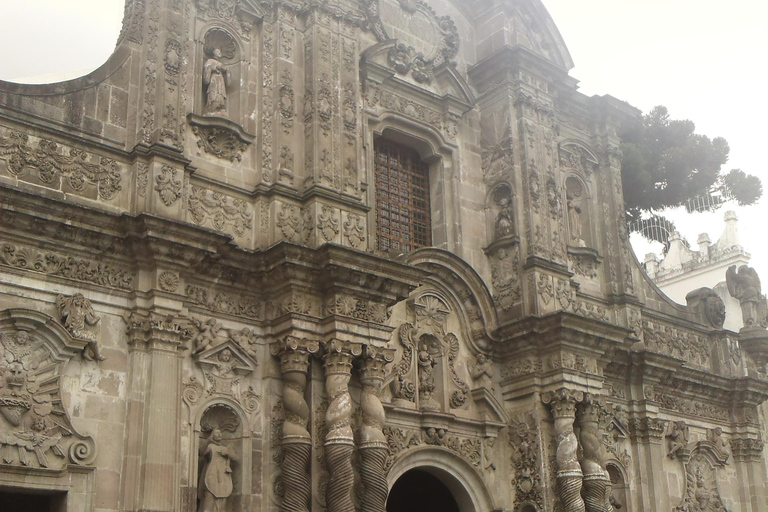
point(569, 476)
point(151, 472)
point(649, 435)
point(373, 443)
point(747, 452)
point(597, 484)
point(296, 442)
point(339, 441)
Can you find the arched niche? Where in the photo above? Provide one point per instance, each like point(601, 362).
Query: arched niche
point(465, 484)
point(500, 213)
point(219, 60)
point(619, 486)
point(227, 458)
point(579, 213)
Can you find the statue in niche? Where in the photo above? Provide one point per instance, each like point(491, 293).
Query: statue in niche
point(216, 80)
point(215, 484)
point(504, 225)
point(482, 371)
point(573, 202)
point(744, 285)
point(426, 375)
point(76, 312)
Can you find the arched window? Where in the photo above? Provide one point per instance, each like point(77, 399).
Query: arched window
point(402, 198)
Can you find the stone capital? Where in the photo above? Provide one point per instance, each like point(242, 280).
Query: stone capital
point(373, 364)
point(153, 330)
point(746, 449)
point(339, 355)
point(294, 353)
point(563, 402)
point(648, 429)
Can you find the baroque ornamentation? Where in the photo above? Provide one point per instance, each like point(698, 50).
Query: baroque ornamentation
point(569, 475)
point(220, 137)
point(327, 223)
point(168, 281)
point(35, 428)
point(744, 286)
point(51, 165)
point(524, 441)
point(223, 211)
point(354, 230)
point(701, 492)
point(400, 440)
point(76, 313)
point(223, 302)
point(54, 264)
point(168, 187)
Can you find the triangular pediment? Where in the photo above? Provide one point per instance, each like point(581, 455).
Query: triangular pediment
point(226, 356)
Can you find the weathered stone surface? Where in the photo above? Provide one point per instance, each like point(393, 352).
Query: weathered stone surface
point(189, 238)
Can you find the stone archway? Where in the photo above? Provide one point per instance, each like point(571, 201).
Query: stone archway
point(438, 470)
point(420, 491)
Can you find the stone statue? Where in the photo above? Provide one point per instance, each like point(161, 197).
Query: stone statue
point(482, 371)
point(215, 484)
point(426, 377)
point(216, 79)
point(209, 334)
point(574, 219)
point(677, 439)
point(504, 221)
point(76, 312)
point(744, 285)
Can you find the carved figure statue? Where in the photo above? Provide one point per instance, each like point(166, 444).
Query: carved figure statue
point(744, 285)
point(215, 484)
point(76, 312)
point(574, 219)
point(715, 436)
point(216, 79)
point(209, 334)
point(504, 220)
point(426, 376)
point(482, 370)
point(677, 439)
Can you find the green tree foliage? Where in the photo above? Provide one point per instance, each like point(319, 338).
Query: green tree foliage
point(665, 164)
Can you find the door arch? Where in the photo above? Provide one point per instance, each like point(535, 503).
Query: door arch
point(429, 463)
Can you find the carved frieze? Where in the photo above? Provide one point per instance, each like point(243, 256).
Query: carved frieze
point(401, 439)
point(689, 406)
point(225, 213)
point(52, 165)
point(224, 302)
point(677, 342)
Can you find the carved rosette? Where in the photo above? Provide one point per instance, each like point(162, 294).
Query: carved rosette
point(296, 443)
point(339, 441)
point(596, 482)
point(373, 443)
point(569, 476)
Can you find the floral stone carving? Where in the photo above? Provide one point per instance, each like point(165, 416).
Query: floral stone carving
point(701, 492)
point(35, 428)
point(220, 137)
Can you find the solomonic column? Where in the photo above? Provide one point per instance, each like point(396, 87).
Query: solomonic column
point(373, 443)
point(569, 477)
point(339, 441)
point(597, 485)
point(296, 442)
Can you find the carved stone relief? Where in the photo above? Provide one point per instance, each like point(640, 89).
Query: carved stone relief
point(224, 212)
point(701, 489)
point(76, 313)
point(52, 167)
point(35, 428)
point(167, 186)
point(524, 441)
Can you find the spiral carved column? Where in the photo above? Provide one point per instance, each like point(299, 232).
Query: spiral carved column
point(569, 475)
point(339, 441)
point(296, 442)
point(373, 443)
point(597, 484)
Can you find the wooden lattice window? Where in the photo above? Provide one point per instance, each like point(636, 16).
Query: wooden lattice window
point(402, 198)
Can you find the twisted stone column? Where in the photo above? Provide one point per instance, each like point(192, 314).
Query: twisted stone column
point(597, 484)
point(569, 475)
point(296, 442)
point(339, 441)
point(373, 443)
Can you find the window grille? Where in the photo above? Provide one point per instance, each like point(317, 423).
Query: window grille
point(402, 198)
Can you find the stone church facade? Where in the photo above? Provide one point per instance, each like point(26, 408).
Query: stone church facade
point(288, 255)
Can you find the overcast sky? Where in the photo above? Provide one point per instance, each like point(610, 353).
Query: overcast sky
point(705, 60)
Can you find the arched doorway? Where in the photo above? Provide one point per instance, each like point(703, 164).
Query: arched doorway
point(419, 491)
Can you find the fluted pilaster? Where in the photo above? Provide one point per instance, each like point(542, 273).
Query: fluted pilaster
point(569, 476)
point(296, 442)
point(373, 443)
point(339, 441)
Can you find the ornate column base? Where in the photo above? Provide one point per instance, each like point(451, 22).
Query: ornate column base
point(569, 490)
point(597, 489)
point(338, 453)
point(297, 452)
point(376, 488)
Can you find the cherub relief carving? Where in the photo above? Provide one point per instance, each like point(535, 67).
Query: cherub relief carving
point(209, 334)
point(677, 439)
point(76, 312)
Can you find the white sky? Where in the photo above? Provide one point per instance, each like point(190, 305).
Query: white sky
point(705, 60)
